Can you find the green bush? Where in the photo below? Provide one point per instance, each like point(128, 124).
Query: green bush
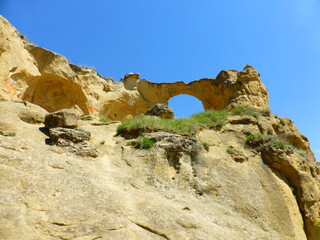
point(10, 134)
point(317, 224)
point(230, 150)
point(245, 111)
point(209, 119)
point(102, 142)
point(250, 111)
point(142, 143)
point(206, 146)
point(104, 119)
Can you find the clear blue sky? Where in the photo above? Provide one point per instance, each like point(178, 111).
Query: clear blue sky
point(168, 41)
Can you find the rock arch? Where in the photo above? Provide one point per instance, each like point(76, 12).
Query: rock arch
point(228, 89)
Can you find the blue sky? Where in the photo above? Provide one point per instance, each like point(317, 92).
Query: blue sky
point(167, 41)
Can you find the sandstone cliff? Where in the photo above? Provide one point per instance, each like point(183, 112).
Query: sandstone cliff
point(253, 177)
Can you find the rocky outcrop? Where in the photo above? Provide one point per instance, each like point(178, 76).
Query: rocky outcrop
point(89, 183)
point(304, 178)
point(160, 110)
point(64, 118)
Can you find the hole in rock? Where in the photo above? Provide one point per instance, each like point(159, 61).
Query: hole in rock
point(185, 105)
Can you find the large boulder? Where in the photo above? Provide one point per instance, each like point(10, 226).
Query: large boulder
point(73, 135)
point(160, 110)
point(74, 141)
point(64, 118)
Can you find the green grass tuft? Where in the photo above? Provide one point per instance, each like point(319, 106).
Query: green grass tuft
point(141, 143)
point(104, 119)
point(209, 119)
point(259, 140)
point(10, 134)
point(230, 150)
point(206, 146)
point(245, 111)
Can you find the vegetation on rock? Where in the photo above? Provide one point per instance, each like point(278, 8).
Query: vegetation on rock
point(104, 119)
point(210, 119)
point(241, 110)
point(142, 143)
point(258, 141)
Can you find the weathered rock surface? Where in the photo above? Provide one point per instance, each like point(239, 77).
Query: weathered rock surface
point(160, 110)
point(174, 190)
point(304, 177)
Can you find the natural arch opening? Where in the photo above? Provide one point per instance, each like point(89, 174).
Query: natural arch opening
point(184, 105)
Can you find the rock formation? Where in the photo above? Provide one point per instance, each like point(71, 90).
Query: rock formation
point(253, 177)
point(49, 80)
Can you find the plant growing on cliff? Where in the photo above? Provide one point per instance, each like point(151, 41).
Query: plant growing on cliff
point(104, 119)
point(241, 110)
point(209, 119)
point(142, 143)
point(206, 146)
point(245, 111)
point(259, 141)
point(317, 224)
point(10, 134)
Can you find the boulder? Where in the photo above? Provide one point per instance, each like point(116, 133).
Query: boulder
point(73, 140)
point(67, 118)
point(83, 149)
point(73, 135)
point(160, 110)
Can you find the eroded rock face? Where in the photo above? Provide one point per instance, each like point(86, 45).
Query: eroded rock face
point(174, 190)
point(304, 177)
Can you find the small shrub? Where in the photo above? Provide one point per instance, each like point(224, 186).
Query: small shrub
point(104, 119)
point(142, 143)
point(282, 122)
point(146, 143)
point(206, 145)
point(230, 150)
point(302, 153)
point(85, 118)
point(102, 142)
point(280, 144)
point(317, 224)
point(10, 134)
point(266, 112)
point(245, 111)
